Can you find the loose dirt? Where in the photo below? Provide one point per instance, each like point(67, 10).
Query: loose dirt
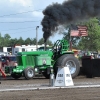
point(90, 93)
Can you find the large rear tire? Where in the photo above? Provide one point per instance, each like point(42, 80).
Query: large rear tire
point(68, 60)
point(29, 73)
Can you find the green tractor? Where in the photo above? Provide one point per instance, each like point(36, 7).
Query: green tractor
point(42, 61)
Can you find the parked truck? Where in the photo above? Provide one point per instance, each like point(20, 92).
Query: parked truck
point(41, 62)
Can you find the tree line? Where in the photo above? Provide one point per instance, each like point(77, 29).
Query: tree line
point(7, 41)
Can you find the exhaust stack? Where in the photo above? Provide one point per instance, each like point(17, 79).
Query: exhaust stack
point(45, 45)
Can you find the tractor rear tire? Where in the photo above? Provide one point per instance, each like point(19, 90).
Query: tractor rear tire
point(16, 75)
point(68, 60)
point(29, 73)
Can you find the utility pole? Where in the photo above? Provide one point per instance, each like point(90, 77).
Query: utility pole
point(37, 37)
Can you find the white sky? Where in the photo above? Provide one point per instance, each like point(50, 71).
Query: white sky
point(9, 10)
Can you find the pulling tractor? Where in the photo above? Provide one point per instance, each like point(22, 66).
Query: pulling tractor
point(41, 62)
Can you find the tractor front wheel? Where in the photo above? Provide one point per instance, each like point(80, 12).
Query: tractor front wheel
point(29, 73)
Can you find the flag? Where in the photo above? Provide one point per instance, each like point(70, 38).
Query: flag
point(74, 33)
point(81, 31)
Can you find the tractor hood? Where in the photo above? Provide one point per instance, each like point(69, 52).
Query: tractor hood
point(36, 53)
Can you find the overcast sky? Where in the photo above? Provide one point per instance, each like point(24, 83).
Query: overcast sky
point(19, 18)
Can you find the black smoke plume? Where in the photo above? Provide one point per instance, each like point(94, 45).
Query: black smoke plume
point(68, 12)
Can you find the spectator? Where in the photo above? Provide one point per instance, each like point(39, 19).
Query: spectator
point(99, 56)
point(92, 56)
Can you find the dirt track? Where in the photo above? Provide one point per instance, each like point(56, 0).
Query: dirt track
point(51, 94)
point(55, 94)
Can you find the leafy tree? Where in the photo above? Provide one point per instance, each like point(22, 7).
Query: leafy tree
point(49, 43)
point(13, 42)
point(34, 41)
point(6, 39)
point(28, 41)
point(20, 41)
point(41, 41)
point(7, 36)
point(92, 41)
point(1, 41)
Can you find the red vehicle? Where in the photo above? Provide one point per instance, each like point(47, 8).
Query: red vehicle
point(8, 61)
